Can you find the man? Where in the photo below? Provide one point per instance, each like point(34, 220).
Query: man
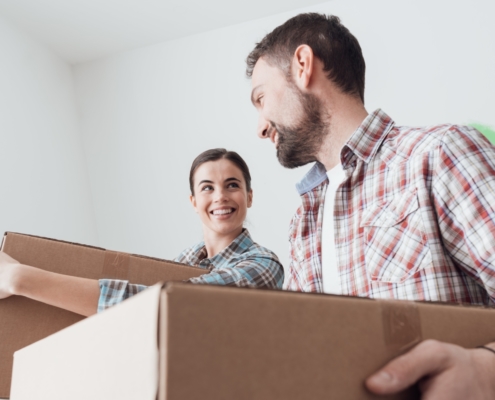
point(387, 211)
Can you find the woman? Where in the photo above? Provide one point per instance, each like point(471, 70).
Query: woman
point(221, 193)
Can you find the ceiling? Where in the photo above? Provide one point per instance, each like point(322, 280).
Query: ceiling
point(83, 30)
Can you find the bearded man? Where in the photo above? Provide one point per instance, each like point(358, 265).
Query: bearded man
point(387, 211)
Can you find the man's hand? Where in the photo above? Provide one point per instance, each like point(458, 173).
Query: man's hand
point(8, 267)
point(444, 372)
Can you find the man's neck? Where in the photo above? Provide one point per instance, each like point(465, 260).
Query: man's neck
point(346, 115)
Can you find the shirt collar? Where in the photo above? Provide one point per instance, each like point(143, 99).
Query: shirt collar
point(364, 143)
point(315, 176)
point(241, 243)
point(366, 140)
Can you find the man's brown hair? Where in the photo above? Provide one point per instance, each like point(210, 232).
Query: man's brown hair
point(330, 41)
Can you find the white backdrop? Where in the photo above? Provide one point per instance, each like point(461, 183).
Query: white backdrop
point(44, 187)
point(145, 114)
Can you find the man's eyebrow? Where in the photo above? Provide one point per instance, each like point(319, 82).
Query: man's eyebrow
point(252, 93)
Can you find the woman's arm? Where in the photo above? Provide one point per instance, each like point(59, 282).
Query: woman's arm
point(79, 295)
point(252, 271)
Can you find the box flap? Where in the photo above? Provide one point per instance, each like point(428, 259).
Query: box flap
point(25, 321)
point(116, 349)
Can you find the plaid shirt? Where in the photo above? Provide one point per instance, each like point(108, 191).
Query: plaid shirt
point(414, 218)
point(241, 263)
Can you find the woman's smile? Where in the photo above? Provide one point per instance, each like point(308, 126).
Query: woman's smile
point(223, 212)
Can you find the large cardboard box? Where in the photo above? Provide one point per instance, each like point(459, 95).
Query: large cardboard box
point(216, 343)
point(24, 321)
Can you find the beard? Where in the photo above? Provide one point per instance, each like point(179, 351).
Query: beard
point(299, 144)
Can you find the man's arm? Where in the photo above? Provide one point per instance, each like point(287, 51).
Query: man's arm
point(292, 283)
point(463, 193)
point(444, 371)
point(464, 196)
point(78, 295)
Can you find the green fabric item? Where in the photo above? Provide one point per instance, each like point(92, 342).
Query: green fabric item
point(489, 132)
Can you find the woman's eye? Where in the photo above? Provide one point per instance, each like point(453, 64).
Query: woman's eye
point(233, 185)
point(206, 188)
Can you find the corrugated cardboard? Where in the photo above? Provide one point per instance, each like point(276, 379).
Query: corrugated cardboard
point(217, 343)
point(24, 321)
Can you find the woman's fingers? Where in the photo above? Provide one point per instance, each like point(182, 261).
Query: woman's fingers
point(7, 265)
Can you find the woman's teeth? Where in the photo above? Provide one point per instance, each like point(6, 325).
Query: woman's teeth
point(222, 212)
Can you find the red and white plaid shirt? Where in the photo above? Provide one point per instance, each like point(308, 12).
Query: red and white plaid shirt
point(414, 218)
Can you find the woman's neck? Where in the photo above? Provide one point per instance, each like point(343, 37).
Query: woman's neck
point(215, 242)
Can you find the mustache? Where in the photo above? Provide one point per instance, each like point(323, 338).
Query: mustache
point(271, 129)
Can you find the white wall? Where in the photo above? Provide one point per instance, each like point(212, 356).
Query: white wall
point(145, 114)
point(44, 184)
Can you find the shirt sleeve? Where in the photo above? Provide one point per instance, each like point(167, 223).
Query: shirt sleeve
point(464, 197)
point(113, 291)
point(292, 283)
point(254, 271)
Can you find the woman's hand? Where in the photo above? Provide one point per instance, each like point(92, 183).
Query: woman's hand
point(8, 269)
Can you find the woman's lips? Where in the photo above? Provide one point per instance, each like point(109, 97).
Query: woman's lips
point(223, 213)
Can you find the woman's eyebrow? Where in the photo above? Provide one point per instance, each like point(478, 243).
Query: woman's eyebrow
point(204, 181)
point(232, 179)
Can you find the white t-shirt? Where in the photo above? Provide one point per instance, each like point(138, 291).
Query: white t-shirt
point(331, 281)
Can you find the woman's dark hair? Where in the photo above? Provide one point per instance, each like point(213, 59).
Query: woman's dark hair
point(330, 41)
point(218, 154)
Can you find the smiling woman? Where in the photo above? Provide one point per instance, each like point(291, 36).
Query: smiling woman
point(221, 194)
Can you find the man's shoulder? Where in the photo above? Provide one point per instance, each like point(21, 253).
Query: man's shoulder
point(407, 142)
point(416, 138)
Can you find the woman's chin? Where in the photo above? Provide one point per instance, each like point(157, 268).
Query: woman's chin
point(227, 229)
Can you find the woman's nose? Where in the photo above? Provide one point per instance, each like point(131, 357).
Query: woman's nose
point(220, 196)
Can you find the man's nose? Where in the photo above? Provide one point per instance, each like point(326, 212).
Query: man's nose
point(263, 128)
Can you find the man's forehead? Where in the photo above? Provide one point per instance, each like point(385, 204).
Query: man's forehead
point(264, 71)
point(260, 67)
point(257, 78)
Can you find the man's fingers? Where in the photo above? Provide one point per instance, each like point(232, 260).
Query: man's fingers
point(427, 358)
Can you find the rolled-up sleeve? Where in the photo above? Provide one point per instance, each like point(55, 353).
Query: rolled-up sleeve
point(259, 272)
point(243, 264)
point(113, 291)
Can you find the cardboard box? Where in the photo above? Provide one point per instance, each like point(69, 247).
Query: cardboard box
point(217, 343)
point(24, 321)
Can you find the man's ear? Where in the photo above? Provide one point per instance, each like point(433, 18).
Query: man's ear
point(192, 199)
point(250, 198)
point(302, 66)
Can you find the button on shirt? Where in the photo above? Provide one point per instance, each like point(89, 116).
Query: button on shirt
point(414, 217)
point(242, 263)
